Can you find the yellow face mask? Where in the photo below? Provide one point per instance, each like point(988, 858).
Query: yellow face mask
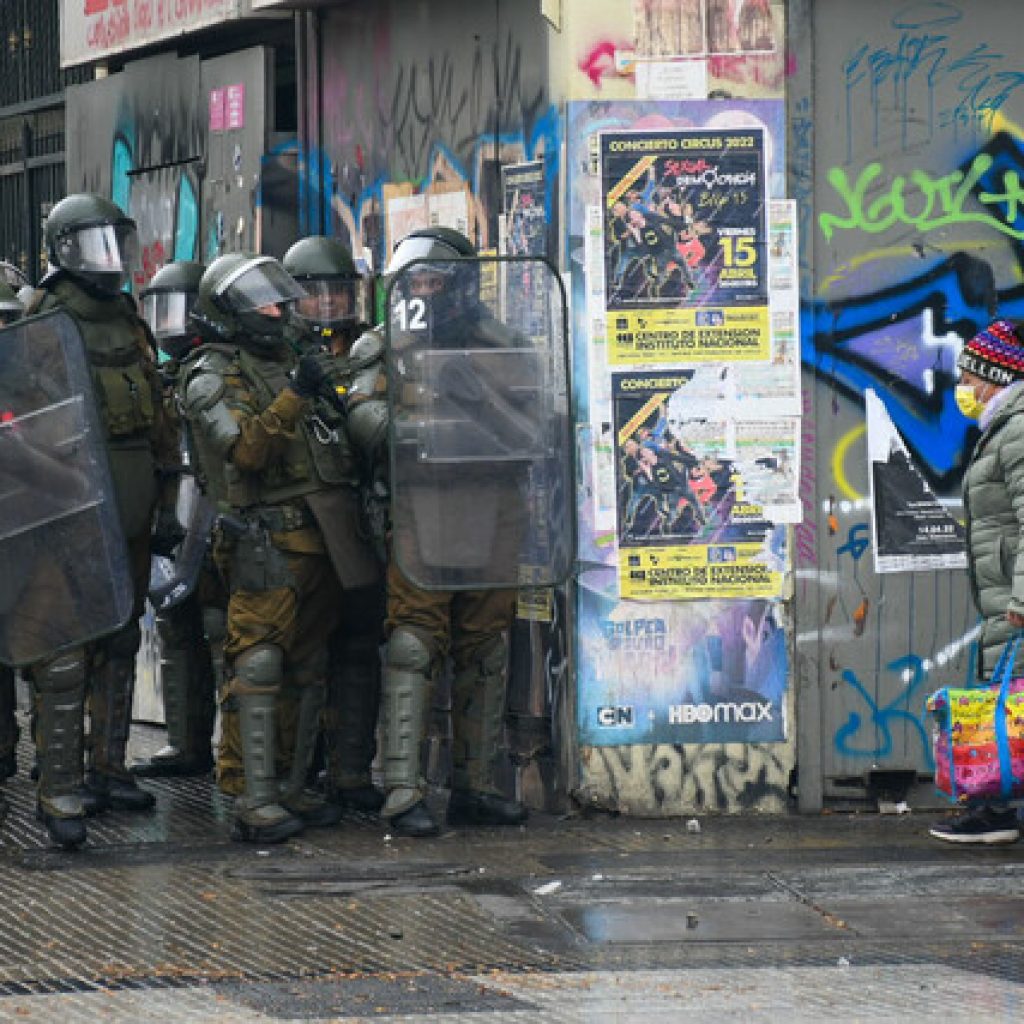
point(967, 401)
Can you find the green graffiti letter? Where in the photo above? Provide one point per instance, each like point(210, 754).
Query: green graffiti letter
point(933, 202)
point(853, 197)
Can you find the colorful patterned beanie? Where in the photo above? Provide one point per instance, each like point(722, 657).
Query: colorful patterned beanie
point(995, 354)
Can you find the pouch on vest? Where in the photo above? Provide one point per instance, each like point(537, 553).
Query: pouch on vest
point(125, 399)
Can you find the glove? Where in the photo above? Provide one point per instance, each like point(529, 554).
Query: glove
point(309, 377)
point(167, 533)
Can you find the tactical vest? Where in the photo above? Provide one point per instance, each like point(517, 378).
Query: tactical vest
point(125, 389)
point(316, 456)
point(115, 343)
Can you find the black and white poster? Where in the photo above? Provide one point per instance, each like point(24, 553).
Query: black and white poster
point(911, 529)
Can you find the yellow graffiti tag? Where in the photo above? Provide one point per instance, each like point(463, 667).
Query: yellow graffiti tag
point(848, 439)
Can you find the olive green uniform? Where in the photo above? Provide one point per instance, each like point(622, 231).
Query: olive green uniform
point(423, 628)
point(140, 442)
point(353, 664)
point(191, 652)
point(281, 468)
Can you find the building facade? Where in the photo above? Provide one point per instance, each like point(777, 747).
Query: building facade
point(828, 200)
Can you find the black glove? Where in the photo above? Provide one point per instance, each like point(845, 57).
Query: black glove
point(310, 377)
point(167, 533)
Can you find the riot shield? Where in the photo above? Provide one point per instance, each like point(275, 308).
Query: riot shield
point(64, 575)
point(481, 452)
point(173, 579)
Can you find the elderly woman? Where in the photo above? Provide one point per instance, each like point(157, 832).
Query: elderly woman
point(991, 391)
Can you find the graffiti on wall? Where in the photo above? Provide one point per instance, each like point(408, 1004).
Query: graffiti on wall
point(449, 115)
point(917, 228)
point(702, 777)
point(138, 137)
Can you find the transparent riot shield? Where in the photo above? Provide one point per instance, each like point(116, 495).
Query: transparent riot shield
point(173, 579)
point(481, 453)
point(64, 576)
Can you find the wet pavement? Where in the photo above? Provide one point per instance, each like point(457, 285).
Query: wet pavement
point(838, 917)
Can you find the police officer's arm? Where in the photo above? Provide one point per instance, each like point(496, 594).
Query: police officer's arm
point(239, 432)
point(367, 421)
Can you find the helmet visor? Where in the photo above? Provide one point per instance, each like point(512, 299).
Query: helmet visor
point(258, 285)
point(100, 249)
point(328, 300)
point(167, 313)
point(409, 250)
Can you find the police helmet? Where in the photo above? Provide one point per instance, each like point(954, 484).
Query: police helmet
point(167, 304)
point(91, 239)
point(437, 265)
point(247, 299)
point(327, 273)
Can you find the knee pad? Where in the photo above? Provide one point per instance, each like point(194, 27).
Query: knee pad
point(63, 674)
point(408, 652)
point(260, 666)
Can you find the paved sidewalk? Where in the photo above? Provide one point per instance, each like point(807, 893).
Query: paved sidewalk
point(838, 917)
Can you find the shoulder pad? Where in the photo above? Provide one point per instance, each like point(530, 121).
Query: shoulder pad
point(203, 390)
point(207, 359)
point(366, 349)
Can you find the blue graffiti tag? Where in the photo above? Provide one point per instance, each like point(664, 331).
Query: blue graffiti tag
point(857, 542)
point(881, 720)
point(982, 80)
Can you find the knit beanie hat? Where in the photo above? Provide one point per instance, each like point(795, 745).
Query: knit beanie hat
point(995, 354)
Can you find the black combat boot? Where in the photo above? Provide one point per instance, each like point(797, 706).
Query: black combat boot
point(467, 809)
point(358, 799)
point(67, 833)
point(118, 792)
point(416, 822)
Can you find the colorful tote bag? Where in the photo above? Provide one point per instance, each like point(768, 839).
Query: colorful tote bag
point(979, 736)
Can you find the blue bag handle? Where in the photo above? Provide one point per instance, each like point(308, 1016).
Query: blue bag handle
point(1002, 676)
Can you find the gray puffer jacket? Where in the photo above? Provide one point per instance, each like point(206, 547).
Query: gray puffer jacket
point(994, 507)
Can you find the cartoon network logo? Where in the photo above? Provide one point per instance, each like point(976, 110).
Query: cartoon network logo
point(615, 716)
point(635, 634)
point(702, 714)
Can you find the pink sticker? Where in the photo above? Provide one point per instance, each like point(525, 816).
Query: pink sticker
point(235, 106)
point(216, 110)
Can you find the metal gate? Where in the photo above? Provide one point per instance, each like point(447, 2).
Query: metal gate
point(32, 175)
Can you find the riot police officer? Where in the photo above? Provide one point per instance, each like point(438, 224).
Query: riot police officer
point(268, 436)
point(91, 248)
point(191, 629)
point(328, 317)
point(329, 311)
point(10, 310)
point(424, 626)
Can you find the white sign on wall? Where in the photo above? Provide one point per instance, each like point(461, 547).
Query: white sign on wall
point(93, 29)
